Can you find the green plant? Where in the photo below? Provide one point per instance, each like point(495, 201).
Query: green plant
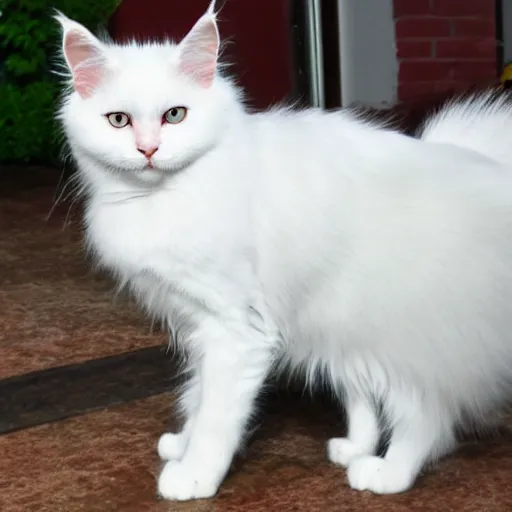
point(29, 41)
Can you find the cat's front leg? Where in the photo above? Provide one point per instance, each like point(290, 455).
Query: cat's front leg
point(172, 446)
point(233, 365)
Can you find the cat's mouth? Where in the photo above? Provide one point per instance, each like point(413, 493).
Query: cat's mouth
point(150, 167)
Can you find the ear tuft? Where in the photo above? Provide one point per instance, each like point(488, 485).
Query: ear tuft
point(211, 8)
point(199, 50)
point(84, 56)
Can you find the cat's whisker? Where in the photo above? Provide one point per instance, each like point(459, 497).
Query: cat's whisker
point(67, 219)
point(57, 195)
point(71, 187)
point(127, 199)
point(77, 193)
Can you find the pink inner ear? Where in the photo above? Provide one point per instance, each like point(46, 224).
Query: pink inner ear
point(199, 49)
point(201, 72)
point(85, 61)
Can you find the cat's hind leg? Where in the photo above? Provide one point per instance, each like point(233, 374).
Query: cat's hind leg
point(420, 433)
point(363, 432)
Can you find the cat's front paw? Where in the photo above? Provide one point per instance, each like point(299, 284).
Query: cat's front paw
point(342, 451)
point(378, 475)
point(172, 446)
point(182, 481)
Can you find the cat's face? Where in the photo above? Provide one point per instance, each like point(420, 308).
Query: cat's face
point(144, 110)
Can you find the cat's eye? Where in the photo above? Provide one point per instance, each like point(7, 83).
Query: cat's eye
point(175, 115)
point(118, 119)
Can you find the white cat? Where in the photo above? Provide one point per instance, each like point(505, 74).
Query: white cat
point(309, 240)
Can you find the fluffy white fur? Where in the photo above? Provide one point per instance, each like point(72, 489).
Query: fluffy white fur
point(309, 240)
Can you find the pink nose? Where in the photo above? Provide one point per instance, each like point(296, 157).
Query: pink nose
point(148, 153)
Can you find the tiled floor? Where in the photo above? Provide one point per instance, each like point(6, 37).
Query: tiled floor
point(86, 389)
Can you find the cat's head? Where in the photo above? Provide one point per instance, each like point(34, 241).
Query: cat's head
point(145, 110)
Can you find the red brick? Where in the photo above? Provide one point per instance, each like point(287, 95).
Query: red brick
point(475, 71)
point(463, 7)
point(414, 71)
point(414, 91)
point(466, 49)
point(449, 86)
point(422, 27)
point(411, 7)
point(413, 49)
point(417, 92)
point(474, 27)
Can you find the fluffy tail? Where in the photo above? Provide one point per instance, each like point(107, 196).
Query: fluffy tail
point(481, 122)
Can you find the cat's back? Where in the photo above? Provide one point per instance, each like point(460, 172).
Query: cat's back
point(315, 154)
point(343, 173)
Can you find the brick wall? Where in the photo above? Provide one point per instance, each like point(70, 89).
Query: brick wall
point(444, 45)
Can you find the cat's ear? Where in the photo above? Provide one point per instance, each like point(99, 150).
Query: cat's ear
point(200, 48)
point(84, 54)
